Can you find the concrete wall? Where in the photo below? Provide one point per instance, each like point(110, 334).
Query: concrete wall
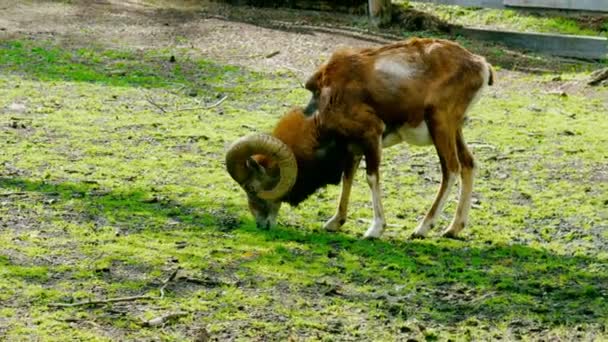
point(557, 45)
point(585, 5)
point(582, 5)
point(468, 3)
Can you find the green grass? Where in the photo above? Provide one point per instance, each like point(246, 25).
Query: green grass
point(102, 194)
point(517, 20)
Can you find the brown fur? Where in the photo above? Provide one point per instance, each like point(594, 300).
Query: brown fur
point(432, 81)
point(428, 80)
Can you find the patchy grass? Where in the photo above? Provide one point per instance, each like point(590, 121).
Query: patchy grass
point(519, 20)
point(112, 177)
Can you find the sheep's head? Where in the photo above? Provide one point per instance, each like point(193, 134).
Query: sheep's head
point(266, 169)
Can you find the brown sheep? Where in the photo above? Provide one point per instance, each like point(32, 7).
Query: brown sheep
point(416, 91)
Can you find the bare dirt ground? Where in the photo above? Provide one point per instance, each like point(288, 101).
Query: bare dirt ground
point(259, 39)
point(296, 42)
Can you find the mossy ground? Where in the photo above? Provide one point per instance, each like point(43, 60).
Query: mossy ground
point(104, 194)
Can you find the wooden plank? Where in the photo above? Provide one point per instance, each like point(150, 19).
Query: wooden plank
point(468, 3)
point(359, 7)
point(380, 12)
point(553, 44)
point(584, 5)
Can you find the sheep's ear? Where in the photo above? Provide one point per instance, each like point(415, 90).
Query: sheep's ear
point(255, 167)
point(324, 98)
point(313, 83)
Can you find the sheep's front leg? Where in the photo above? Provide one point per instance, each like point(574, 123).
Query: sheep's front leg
point(372, 163)
point(337, 221)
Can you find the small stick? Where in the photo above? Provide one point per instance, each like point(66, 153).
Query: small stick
point(163, 319)
point(272, 54)
point(217, 103)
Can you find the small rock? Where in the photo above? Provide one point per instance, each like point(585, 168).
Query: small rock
point(568, 133)
point(17, 107)
point(117, 73)
point(559, 93)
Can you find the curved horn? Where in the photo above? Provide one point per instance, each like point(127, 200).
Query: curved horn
point(267, 145)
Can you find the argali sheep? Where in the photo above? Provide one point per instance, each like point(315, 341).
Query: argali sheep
point(363, 100)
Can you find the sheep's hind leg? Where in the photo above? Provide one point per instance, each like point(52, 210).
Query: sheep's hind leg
point(444, 140)
point(466, 188)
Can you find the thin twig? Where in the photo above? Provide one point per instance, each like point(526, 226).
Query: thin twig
point(119, 299)
point(166, 282)
point(205, 107)
point(162, 109)
point(370, 221)
point(217, 103)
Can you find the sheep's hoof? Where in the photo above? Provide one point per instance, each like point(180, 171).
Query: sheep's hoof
point(452, 235)
point(417, 236)
point(375, 231)
point(334, 224)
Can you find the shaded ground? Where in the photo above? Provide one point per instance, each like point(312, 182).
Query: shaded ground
point(112, 177)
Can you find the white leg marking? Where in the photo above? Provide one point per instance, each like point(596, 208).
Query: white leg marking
point(377, 227)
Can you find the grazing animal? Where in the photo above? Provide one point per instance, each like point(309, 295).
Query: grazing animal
point(363, 100)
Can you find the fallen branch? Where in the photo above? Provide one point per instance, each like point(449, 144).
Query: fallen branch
point(16, 193)
point(119, 299)
point(154, 322)
point(98, 302)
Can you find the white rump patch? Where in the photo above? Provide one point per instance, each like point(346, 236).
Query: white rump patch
point(396, 69)
point(485, 74)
